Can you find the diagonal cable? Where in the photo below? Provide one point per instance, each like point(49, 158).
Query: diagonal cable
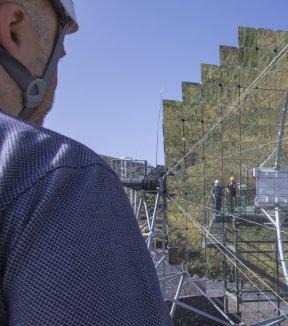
point(232, 107)
point(232, 215)
point(227, 156)
point(219, 245)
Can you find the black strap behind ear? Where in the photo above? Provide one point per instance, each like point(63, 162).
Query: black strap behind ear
point(55, 56)
point(34, 88)
point(17, 71)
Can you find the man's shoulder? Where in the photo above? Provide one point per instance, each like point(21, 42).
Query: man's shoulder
point(28, 152)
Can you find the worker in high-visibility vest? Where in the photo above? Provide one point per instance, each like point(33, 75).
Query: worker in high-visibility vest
point(231, 189)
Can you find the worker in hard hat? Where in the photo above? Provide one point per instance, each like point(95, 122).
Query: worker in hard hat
point(71, 252)
point(217, 196)
point(231, 190)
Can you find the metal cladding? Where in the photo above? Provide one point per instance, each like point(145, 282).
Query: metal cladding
point(246, 129)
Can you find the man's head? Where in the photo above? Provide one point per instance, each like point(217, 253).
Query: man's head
point(28, 32)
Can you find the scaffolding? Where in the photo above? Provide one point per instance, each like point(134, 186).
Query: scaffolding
point(150, 206)
point(225, 127)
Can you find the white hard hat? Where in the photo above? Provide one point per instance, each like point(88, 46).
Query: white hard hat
point(217, 182)
point(66, 12)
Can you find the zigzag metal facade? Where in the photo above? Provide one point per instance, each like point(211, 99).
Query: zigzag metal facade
point(242, 140)
point(204, 104)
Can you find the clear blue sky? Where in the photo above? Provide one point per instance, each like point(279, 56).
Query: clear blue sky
point(110, 82)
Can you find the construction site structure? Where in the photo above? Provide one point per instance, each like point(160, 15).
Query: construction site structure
point(150, 207)
point(228, 126)
point(128, 168)
point(224, 127)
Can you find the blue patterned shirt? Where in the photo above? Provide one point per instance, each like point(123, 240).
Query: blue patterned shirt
point(71, 252)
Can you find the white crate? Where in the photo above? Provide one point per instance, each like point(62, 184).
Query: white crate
point(271, 187)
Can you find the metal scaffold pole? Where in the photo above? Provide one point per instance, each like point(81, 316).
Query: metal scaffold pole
point(280, 243)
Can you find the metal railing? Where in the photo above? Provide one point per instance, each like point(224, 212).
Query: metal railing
point(243, 202)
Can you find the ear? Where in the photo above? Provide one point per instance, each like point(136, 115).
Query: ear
point(18, 35)
point(13, 22)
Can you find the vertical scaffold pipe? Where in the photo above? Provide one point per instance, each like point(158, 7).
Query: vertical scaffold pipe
point(281, 244)
point(281, 132)
point(154, 220)
point(173, 308)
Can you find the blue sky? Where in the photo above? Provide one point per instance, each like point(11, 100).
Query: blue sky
point(127, 51)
